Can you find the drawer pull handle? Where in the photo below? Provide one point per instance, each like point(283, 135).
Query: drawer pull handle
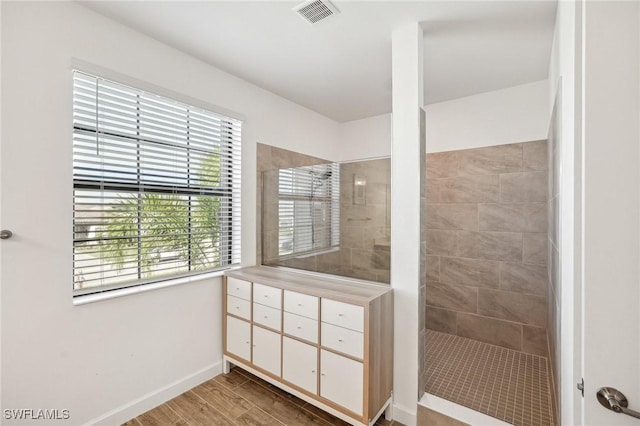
point(266, 317)
point(313, 371)
point(340, 340)
point(266, 295)
point(322, 374)
point(299, 327)
point(238, 288)
point(299, 304)
point(339, 315)
point(237, 307)
point(247, 342)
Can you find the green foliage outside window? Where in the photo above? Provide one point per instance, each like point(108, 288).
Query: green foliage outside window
point(172, 228)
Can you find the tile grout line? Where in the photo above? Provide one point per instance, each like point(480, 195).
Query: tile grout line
point(525, 400)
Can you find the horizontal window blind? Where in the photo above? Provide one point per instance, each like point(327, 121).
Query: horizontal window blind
point(308, 208)
point(156, 187)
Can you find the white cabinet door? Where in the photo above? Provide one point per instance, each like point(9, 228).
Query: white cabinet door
point(301, 304)
point(343, 340)
point(341, 381)
point(268, 296)
point(299, 364)
point(302, 327)
point(343, 314)
point(269, 317)
point(266, 350)
point(239, 288)
point(238, 307)
point(239, 338)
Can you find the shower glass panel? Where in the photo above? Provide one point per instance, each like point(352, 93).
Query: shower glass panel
point(331, 218)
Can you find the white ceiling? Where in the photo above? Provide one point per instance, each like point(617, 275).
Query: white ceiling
point(341, 67)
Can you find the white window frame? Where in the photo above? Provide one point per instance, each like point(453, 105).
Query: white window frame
point(229, 190)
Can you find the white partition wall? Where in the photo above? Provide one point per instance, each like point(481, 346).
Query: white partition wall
point(407, 159)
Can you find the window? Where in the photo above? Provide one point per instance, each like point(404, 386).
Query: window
point(308, 209)
point(156, 187)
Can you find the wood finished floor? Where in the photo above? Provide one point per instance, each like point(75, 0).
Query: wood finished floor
point(238, 398)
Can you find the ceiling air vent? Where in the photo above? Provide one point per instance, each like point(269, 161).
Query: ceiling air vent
point(314, 11)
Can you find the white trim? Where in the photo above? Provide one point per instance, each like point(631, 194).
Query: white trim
point(112, 294)
point(153, 399)
point(458, 412)
point(117, 77)
point(387, 409)
point(405, 415)
point(360, 160)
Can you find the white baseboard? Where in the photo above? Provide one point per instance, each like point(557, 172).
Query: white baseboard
point(404, 415)
point(153, 399)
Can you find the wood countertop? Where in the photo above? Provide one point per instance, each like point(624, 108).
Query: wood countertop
point(346, 289)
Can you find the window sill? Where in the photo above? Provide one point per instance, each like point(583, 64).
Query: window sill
point(112, 294)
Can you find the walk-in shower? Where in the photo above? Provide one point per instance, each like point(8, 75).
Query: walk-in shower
point(487, 310)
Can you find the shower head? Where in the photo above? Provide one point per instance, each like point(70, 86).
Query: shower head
point(317, 176)
point(326, 175)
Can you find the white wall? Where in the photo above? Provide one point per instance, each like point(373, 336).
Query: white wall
point(366, 138)
point(407, 181)
point(565, 85)
point(610, 205)
point(515, 114)
point(114, 358)
point(1, 223)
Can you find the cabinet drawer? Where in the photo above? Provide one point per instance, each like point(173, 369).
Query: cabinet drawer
point(239, 338)
point(269, 296)
point(343, 314)
point(302, 327)
point(301, 304)
point(266, 350)
point(341, 381)
point(239, 288)
point(239, 307)
point(299, 364)
point(343, 340)
point(269, 317)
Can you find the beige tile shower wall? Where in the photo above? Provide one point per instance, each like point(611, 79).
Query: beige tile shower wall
point(487, 244)
point(365, 225)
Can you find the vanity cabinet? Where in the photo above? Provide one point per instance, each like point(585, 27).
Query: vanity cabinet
point(341, 380)
point(327, 340)
point(266, 350)
point(238, 338)
point(300, 364)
